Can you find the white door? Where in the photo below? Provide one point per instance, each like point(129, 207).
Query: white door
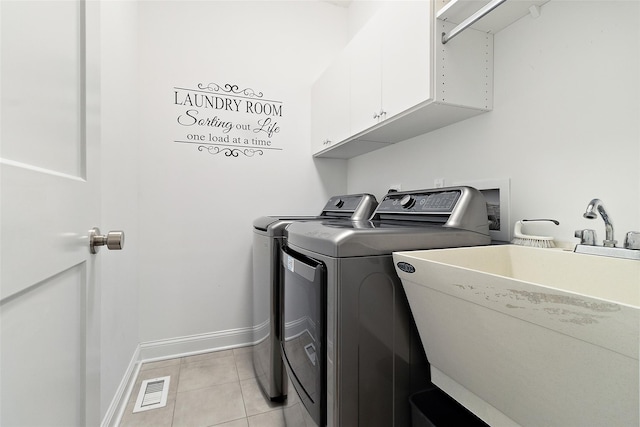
point(49, 199)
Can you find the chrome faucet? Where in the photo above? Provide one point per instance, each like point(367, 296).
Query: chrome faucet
point(596, 205)
point(587, 245)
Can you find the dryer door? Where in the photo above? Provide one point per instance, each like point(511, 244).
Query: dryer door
point(303, 343)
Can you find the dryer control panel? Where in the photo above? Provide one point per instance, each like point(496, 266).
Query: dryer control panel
point(357, 207)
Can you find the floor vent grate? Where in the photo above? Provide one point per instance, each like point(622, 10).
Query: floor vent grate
point(153, 394)
point(310, 349)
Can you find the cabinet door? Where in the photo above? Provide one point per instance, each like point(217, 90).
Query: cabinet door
point(330, 106)
point(406, 56)
point(366, 62)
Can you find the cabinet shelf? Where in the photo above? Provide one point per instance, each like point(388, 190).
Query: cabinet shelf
point(421, 119)
point(456, 11)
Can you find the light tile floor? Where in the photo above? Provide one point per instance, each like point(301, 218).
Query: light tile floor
point(213, 389)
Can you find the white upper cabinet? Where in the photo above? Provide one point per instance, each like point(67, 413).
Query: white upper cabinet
point(330, 105)
point(406, 57)
point(365, 55)
point(401, 81)
point(390, 65)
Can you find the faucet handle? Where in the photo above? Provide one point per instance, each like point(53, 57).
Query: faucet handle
point(632, 240)
point(587, 237)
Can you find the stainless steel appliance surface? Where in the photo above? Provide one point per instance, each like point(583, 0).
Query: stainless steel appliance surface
point(268, 238)
point(350, 344)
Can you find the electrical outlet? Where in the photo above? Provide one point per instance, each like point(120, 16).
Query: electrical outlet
point(438, 182)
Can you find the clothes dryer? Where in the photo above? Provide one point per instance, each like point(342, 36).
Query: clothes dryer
point(268, 238)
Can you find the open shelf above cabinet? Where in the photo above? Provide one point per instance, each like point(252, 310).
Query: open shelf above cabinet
point(456, 11)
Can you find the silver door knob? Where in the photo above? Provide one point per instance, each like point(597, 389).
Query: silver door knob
point(113, 240)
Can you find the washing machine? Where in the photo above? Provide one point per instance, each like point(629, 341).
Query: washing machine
point(268, 238)
point(349, 341)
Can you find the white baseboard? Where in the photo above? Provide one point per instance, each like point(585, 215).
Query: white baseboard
point(119, 402)
point(195, 344)
point(171, 348)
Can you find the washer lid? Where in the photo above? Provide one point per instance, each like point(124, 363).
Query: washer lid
point(340, 239)
point(410, 220)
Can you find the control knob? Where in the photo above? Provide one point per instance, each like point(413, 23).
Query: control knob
point(407, 201)
point(338, 203)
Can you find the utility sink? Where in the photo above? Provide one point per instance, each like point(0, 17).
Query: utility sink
point(526, 336)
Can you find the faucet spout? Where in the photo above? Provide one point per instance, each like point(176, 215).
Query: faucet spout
point(590, 213)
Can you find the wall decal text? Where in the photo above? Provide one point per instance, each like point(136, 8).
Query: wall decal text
point(227, 119)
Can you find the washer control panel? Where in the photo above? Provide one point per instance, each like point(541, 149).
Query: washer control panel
point(421, 202)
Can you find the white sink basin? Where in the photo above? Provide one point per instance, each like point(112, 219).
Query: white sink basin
point(527, 336)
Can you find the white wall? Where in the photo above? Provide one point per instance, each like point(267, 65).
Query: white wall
point(197, 208)
point(119, 273)
point(564, 128)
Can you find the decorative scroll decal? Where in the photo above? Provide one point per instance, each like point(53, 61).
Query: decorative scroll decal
point(214, 87)
point(230, 152)
point(215, 116)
